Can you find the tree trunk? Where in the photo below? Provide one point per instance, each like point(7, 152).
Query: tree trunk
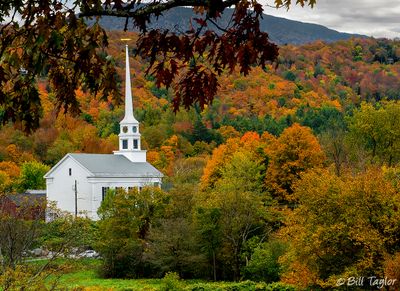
point(236, 271)
point(214, 267)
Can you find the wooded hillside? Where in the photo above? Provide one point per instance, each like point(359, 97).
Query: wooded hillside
point(293, 169)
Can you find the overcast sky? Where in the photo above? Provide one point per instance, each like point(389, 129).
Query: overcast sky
point(378, 18)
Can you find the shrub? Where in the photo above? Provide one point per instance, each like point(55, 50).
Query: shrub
point(171, 282)
point(24, 277)
point(278, 286)
point(240, 286)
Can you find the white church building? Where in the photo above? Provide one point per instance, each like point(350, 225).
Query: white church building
point(79, 182)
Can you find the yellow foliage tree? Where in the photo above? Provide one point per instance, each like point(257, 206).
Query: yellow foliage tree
point(5, 182)
point(343, 226)
point(228, 132)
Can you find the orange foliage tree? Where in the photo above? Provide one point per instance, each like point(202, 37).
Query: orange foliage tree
point(164, 157)
point(9, 173)
point(250, 142)
point(294, 152)
point(392, 270)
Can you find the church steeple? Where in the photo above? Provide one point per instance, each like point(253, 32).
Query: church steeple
point(129, 118)
point(129, 136)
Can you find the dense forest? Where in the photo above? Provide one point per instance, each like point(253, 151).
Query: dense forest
point(291, 174)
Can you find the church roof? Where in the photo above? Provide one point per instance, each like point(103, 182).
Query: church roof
point(104, 165)
point(111, 165)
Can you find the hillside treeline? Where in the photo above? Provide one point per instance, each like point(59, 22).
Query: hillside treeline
point(292, 173)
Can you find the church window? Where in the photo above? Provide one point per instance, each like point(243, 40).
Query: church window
point(70, 171)
point(140, 189)
point(125, 129)
point(134, 129)
point(125, 144)
point(130, 189)
point(156, 184)
point(104, 192)
point(135, 143)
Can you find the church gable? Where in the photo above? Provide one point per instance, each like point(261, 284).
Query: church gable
point(67, 164)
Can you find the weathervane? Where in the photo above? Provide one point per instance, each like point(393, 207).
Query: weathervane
point(126, 46)
point(126, 41)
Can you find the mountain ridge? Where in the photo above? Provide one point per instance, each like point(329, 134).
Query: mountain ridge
point(280, 30)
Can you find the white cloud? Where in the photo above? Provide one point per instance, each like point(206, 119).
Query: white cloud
point(369, 17)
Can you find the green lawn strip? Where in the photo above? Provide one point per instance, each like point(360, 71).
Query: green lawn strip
point(89, 278)
point(82, 273)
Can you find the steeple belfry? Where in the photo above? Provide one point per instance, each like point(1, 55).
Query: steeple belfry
point(129, 135)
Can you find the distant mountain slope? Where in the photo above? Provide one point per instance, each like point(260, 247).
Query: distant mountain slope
point(281, 30)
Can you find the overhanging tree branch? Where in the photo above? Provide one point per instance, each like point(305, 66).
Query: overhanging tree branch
point(52, 34)
point(154, 8)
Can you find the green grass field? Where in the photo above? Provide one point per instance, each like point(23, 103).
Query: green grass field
point(88, 279)
point(82, 275)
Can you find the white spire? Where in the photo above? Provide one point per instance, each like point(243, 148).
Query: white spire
point(129, 135)
point(128, 92)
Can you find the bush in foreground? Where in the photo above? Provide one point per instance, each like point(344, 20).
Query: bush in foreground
point(172, 282)
point(240, 286)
